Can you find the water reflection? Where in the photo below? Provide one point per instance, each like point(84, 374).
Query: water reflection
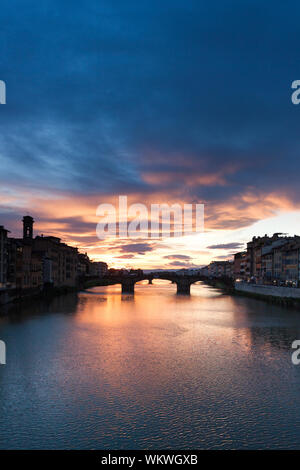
point(18, 312)
point(153, 370)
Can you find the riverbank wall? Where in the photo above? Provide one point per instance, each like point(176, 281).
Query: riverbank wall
point(224, 283)
point(10, 296)
point(281, 295)
point(48, 291)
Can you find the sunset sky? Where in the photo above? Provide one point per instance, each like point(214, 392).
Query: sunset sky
point(162, 101)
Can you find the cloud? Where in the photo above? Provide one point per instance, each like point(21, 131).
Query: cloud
point(182, 264)
point(139, 248)
point(183, 257)
point(224, 257)
point(226, 246)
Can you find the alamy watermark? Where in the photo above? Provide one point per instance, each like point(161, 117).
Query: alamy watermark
point(2, 92)
point(296, 94)
point(2, 353)
point(136, 221)
point(296, 354)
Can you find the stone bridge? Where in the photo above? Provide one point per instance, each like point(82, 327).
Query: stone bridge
point(128, 281)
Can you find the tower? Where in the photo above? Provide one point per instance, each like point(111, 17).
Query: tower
point(27, 227)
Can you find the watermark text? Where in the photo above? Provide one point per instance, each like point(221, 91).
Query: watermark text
point(136, 221)
point(296, 94)
point(2, 353)
point(2, 92)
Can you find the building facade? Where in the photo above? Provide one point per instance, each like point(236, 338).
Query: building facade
point(3, 256)
point(99, 268)
point(34, 262)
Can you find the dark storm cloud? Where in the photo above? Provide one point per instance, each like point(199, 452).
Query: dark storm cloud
point(99, 94)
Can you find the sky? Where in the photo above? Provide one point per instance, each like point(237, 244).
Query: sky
point(169, 101)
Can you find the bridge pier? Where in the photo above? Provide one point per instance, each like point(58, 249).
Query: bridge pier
point(150, 281)
point(127, 286)
point(183, 287)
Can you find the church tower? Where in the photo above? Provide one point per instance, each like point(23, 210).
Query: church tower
point(27, 227)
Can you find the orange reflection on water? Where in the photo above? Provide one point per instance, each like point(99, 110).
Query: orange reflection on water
point(141, 343)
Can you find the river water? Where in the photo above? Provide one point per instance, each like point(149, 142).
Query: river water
point(99, 370)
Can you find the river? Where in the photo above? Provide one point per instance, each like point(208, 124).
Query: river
point(98, 370)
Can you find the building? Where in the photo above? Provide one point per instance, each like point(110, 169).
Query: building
point(20, 257)
point(84, 265)
point(59, 261)
point(36, 262)
point(221, 269)
point(23, 264)
point(267, 263)
point(291, 262)
point(240, 265)
point(36, 270)
point(204, 271)
point(228, 269)
point(259, 247)
point(43, 260)
point(11, 263)
point(3, 256)
point(28, 227)
point(99, 268)
point(268, 260)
